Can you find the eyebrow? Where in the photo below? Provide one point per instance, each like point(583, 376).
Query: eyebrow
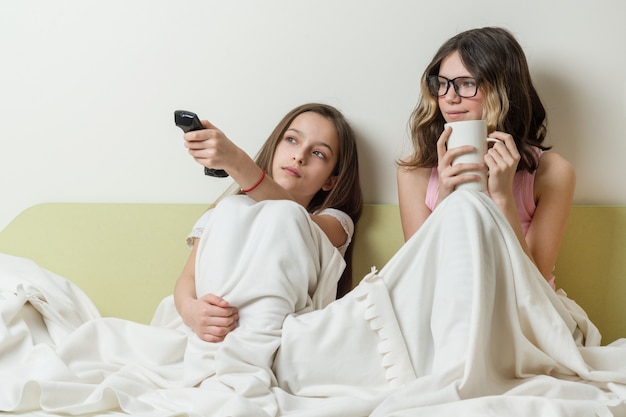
point(319, 143)
point(460, 76)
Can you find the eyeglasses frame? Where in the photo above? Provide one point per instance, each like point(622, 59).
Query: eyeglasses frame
point(448, 83)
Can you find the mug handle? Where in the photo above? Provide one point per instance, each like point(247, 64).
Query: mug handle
point(492, 140)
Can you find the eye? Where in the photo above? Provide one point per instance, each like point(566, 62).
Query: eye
point(290, 139)
point(468, 83)
point(319, 154)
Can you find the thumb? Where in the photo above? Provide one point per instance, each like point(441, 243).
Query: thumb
point(208, 125)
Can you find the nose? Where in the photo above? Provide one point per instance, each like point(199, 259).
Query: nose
point(451, 96)
point(298, 156)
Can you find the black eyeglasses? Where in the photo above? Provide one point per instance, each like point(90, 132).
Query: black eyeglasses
point(465, 87)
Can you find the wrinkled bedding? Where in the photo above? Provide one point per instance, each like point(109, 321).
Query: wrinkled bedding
point(458, 323)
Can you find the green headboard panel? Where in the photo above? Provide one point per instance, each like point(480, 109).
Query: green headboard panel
point(126, 257)
point(591, 266)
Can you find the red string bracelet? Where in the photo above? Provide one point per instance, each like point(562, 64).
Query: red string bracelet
point(257, 184)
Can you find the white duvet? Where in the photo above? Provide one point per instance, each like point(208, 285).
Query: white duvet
point(458, 323)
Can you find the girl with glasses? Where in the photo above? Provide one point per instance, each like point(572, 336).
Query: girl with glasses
point(483, 74)
point(464, 319)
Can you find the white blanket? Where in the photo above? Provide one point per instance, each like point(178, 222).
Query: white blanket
point(483, 332)
point(458, 323)
point(269, 259)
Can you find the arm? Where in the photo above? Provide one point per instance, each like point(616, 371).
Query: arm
point(211, 148)
point(555, 182)
point(502, 160)
point(412, 185)
point(209, 317)
point(332, 228)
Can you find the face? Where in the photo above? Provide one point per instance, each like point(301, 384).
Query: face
point(306, 156)
point(455, 108)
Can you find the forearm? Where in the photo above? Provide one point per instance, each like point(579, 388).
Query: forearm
point(184, 291)
point(247, 174)
point(412, 188)
point(185, 288)
point(508, 208)
point(555, 182)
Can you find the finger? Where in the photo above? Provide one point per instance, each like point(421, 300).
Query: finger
point(453, 153)
point(207, 337)
point(199, 135)
point(465, 167)
point(208, 125)
point(504, 155)
point(219, 331)
point(197, 146)
point(216, 300)
point(216, 333)
point(442, 141)
point(219, 315)
point(220, 321)
point(228, 313)
point(507, 140)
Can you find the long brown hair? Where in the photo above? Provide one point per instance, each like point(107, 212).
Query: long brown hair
point(346, 195)
point(496, 60)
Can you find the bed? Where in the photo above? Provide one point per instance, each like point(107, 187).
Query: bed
point(116, 251)
point(126, 257)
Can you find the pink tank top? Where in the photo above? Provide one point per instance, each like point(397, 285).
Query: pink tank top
point(522, 191)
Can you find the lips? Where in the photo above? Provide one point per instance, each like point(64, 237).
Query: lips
point(291, 171)
point(455, 114)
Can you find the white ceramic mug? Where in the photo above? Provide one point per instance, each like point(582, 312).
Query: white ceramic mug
point(474, 133)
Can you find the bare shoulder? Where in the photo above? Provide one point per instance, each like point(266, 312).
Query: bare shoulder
point(551, 163)
point(554, 173)
point(412, 174)
point(412, 185)
point(551, 160)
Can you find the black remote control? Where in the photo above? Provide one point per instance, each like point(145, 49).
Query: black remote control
point(189, 121)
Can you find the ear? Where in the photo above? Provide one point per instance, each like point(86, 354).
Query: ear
point(330, 183)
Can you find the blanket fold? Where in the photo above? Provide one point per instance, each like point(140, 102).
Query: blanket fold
point(458, 323)
point(269, 258)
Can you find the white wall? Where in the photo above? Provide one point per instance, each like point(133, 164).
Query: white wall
point(88, 88)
